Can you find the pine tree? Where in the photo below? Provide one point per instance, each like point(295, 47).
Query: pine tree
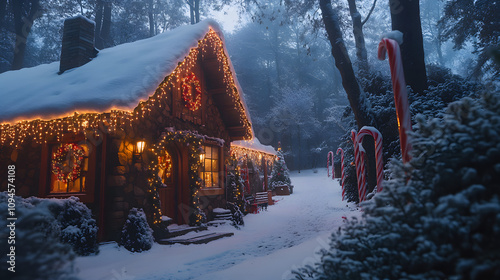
point(280, 175)
point(442, 223)
point(137, 236)
point(235, 185)
point(477, 22)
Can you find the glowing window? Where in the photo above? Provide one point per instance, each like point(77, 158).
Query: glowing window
point(209, 171)
point(67, 165)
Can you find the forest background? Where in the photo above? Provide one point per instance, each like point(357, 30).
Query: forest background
point(282, 53)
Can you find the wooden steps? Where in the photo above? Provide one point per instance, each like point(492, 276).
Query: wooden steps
point(199, 239)
point(191, 235)
point(184, 230)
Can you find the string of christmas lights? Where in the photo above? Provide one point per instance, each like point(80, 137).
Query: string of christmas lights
point(41, 131)
point(253, 155)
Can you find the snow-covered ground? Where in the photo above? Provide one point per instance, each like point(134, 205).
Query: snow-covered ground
point(269, 246)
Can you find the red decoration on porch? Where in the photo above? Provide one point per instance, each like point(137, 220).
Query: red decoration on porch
point(67, 162)
point(187, 86)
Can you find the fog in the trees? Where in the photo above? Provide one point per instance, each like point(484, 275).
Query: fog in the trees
point(281, 53)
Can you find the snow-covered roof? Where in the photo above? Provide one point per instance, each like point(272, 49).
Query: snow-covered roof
point(254, 144)
point(118, 78)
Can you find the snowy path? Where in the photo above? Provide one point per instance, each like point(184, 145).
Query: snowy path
point(269, 245)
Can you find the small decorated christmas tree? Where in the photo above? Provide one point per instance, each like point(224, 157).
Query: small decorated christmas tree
point(280, 175)
point(235, 184)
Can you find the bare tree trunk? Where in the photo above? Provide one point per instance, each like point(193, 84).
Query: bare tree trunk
point(343, 63)
point(152, 31)
point(405, 15)
point(349, 82)
point(98, 23)
point(277, 60)
point(298, 139)
point(22, 28)
point(3, 11)
point(359, 38)
point(191, 11)
point(197, 10)
point(106, 25)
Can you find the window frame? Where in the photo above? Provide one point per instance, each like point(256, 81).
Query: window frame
point(45, 185)
point(213, 190)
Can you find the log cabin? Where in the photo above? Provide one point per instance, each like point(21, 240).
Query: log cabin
point(147, 124)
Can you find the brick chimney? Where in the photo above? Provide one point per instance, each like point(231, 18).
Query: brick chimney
point(77, 43)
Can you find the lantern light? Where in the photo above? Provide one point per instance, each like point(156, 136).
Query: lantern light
point(138, 150)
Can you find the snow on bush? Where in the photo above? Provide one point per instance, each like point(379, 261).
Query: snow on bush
point(73, 220)
point(77, 226)
point(444, 222)
point(444, 88)
point(39, 251)
point(236, 215)
point(136, 236)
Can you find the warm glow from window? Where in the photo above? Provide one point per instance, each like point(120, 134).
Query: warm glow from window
point(76, 186)
point(209, 171)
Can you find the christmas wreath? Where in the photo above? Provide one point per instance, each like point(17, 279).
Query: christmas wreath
point(67, 162)
point(188, 82)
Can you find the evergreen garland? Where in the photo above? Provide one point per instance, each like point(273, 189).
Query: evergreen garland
point(193, 141)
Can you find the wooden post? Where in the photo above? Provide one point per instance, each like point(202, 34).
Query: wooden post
point(264, 166)
point(101, 233)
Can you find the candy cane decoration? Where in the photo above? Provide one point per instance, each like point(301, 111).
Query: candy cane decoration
point(391, 47)
point(360, 165)
point(333, 167)
point(342, 172)
point(330, 155)
point(362, 189)
point(379, 160)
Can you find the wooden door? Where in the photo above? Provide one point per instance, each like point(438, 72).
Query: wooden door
point(169, 173)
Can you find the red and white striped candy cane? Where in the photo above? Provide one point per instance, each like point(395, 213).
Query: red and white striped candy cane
point(379, 160)
point(360, 165)
point(362, 189)
point(391, 47)
point(333, 167)
point(330, 155)
point(342, 172)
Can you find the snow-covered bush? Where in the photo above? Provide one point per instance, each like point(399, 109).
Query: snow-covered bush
point(39, 252)
point(444, 222)
point(136, 236)
point(73, 220)
point(236, 215)
point(77, 226)
point(280, 175)
point(444, 88)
